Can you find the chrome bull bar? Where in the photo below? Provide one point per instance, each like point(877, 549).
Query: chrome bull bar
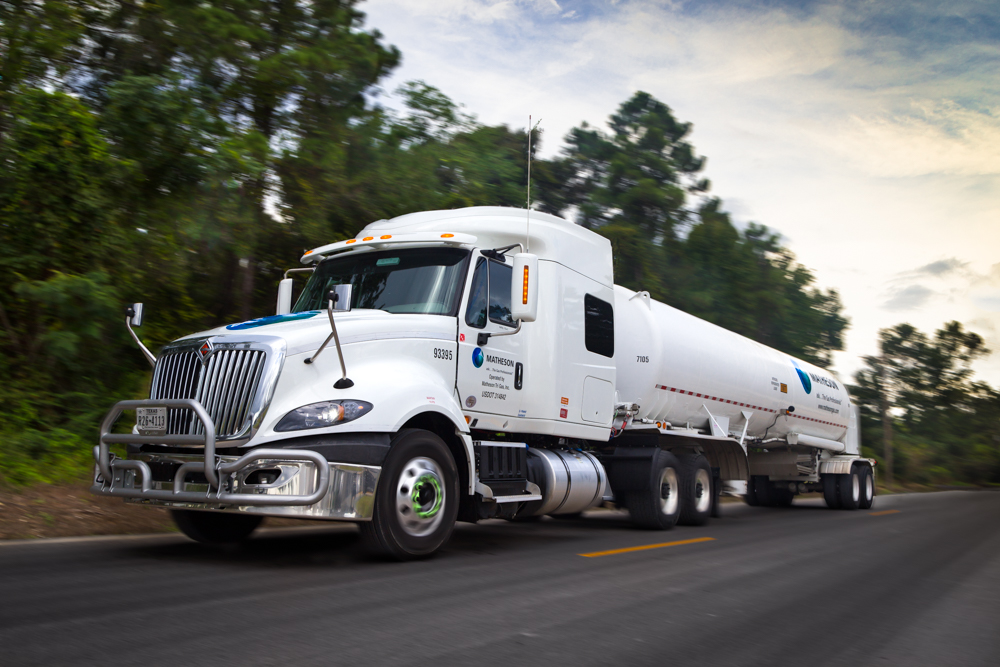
point(212, 466)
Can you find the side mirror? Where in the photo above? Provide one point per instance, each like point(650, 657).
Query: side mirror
point(134, 314)
point(340, 295)
point(284, 297)
point(524, 288)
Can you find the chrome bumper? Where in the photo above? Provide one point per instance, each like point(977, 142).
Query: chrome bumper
point(305, 485)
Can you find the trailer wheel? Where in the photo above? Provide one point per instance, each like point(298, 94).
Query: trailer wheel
point(658, 505)
point(416, 501)
point(696, 490)
point(215, 527)
point(831, 492)
point(850, 490)
point(867, 487)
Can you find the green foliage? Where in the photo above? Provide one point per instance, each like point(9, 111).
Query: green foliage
point(947, 428)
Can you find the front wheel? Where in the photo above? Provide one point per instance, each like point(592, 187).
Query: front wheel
point(215, 527)
point(416, 502)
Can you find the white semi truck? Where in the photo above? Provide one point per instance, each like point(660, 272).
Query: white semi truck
point(472, 364)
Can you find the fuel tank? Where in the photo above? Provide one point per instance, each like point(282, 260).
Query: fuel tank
point(681, 370)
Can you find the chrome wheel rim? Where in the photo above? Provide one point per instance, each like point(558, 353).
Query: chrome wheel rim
point(420, 497)
point(669, 497)
point(869, 488)
point(855, 487)
point(702, 491)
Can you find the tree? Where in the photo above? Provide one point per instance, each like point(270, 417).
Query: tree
point(276, 72)
point(919, 390)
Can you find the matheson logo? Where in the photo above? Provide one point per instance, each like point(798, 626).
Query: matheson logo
point(499, 360)
point(477, 357)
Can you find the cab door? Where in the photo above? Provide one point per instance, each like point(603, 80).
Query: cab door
point(490, 367)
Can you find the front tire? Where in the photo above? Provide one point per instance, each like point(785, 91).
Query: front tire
point(215, 527)
point(416, 502)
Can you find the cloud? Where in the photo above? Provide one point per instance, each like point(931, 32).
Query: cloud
point(908, 298)
point(942, 267)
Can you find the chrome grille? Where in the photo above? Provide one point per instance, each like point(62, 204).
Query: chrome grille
point(226, 386)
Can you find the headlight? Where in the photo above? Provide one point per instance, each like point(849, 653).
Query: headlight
point(319, 415)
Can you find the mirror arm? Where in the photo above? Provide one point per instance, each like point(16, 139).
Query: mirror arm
point(145, 352)
point(482, 338)
point(344, 382)
point(307, 270)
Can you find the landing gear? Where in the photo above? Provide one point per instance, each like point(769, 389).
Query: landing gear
point(416, 502)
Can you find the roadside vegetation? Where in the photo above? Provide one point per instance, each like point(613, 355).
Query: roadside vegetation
point(185, 154)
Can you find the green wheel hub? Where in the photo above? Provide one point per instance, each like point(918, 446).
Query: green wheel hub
point(427, 497)
point(420, 496)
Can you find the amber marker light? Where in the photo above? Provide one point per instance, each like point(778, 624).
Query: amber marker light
point(387, 236)
point(351, 241)
point(447, 236)
point(368, 238)
point(524, 289)
point(309, 252)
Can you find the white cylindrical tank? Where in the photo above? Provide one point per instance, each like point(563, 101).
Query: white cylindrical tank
point(680, 369)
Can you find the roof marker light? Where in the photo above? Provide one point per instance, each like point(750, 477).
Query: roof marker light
point(447, 236)
point(351, 241)
point(368, 238)
point(387, 236)
point(309, 252)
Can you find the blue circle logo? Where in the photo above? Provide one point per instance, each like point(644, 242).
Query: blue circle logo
point(803, 378)
point(477, 357)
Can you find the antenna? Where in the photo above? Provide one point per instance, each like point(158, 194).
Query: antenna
point(527, 226)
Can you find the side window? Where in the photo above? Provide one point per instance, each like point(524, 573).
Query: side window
point(599, 326)
point(475, 314)
point(500, 277)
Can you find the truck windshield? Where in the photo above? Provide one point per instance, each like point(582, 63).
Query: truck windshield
point(416, 280)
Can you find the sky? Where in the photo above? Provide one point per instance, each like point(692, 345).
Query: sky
point(866, 133)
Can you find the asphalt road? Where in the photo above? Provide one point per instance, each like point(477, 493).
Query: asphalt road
point(916, 581)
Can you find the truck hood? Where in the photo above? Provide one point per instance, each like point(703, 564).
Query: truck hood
point(306, 331)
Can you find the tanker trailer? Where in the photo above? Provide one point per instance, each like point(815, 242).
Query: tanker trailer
point(701, 389)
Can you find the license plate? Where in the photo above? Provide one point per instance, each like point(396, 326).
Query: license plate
point(151, 421)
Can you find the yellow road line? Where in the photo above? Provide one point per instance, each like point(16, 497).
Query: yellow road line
point(884, 512)
point(626, 550)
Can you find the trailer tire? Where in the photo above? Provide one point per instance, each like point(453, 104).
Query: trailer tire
point(215, 527)
point(716, 494)
point(781, 497)
point(416, 501)
point(850, 490)
point(658, 504)
point(696, 490)
point(831, 491)
point(867, 488)
point(762, 489)
point(751, 497)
